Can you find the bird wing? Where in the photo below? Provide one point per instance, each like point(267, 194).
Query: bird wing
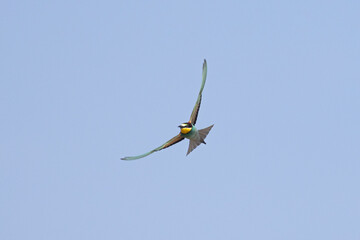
point(172, 141)
point(195, 111)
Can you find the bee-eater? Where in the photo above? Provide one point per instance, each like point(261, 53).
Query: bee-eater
point(187, 129)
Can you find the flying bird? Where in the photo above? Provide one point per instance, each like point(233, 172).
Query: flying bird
point(187, 129)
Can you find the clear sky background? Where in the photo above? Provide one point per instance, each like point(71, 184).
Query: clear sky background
point(83, 83)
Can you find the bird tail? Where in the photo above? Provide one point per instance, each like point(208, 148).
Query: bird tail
point(196, 142)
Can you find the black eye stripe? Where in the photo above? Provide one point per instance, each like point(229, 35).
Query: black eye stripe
point(186, 125)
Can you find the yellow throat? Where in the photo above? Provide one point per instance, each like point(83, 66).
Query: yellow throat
point(185, 130)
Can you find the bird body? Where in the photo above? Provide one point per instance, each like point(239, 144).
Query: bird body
point(187, 129)
point(195, 136)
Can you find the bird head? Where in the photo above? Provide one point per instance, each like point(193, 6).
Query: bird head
point(185, 127)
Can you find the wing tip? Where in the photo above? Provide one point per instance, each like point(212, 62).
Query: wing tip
point(129, 158)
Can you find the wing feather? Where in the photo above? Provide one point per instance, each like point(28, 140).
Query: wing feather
point(195, 111)
point(169, 143)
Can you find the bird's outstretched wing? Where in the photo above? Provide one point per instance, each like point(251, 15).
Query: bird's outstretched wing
point(195, 111)
point(172, 141)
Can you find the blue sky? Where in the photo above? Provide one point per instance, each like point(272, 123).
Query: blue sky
point(83, 83)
